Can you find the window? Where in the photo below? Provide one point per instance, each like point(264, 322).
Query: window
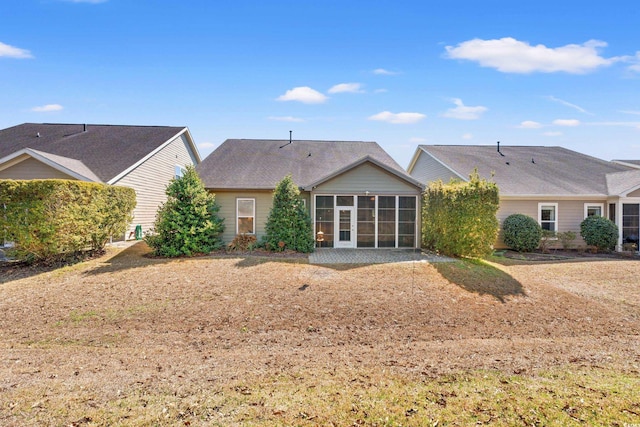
point(630, 223)
point(612, 212)
point(324, 221)
point(593, 209)
point(407, 222)
point(548, 216)
point(178, 171)
point(246, 213)
point(386, 221)
point(366, 221)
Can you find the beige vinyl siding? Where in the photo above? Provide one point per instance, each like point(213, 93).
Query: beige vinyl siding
point(31, 168)
point(634, 193)
point(366, 177)
point(151, 178)
point(569, 216)
point(427, 169)
point(227, 202)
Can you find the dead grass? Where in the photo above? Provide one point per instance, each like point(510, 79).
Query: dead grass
point(129, 340)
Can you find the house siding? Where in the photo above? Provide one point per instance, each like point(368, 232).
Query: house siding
point(227, 202)
point(31, 168)
point(635, 193)
point(366, 177)
point(150, 179)
point(427, 169)
point(570, 214)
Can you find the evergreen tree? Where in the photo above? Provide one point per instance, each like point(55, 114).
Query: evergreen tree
point(187, 223)
point(288, 225)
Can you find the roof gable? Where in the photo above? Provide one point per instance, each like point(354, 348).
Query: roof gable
point(71, 167)
point(260, 164)
point(106, 150)
point(529, 170)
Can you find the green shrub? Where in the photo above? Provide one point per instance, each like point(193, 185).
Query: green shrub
point(187, 223)
point(567, 239)
point(521, 233)
point(600, 232)
point(459, 218)
point(51, 218)
point(288, 225)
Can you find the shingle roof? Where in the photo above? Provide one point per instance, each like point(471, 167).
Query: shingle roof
point(632, 163)
point(529, 170)
point(106, 150)
point(262, 163)
point(620, 183)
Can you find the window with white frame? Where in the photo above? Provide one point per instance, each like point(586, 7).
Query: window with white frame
point(245, 216)
point(178, 171)
point(548, 216)
point(593, 209)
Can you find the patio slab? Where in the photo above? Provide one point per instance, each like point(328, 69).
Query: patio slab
point(372, 256)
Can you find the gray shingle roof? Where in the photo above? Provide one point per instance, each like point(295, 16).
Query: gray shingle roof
point(622, 182)
point(528, 170)
point(260, 163)
point(107, 150)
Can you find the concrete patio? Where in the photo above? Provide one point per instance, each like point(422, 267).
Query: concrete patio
point(372, 256)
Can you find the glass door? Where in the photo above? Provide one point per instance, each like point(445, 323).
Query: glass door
point(345, 224)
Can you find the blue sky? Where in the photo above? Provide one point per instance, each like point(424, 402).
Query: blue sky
point(401, 73)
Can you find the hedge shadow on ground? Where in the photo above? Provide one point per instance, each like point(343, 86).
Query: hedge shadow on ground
point(481, 278)
point(135, 256)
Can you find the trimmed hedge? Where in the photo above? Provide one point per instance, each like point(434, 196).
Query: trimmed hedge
point(459, 218)
point(521, 232)
point(599, 232)
point(49, 218)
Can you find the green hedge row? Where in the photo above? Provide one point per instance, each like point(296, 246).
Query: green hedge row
point(459, 218)
point(51, 217)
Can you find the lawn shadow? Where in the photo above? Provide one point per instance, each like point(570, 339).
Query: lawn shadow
point(134, 256)
point(480, 278)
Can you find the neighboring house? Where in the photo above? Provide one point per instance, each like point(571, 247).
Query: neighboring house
point(357, 195)
point(144, 158)
point(557, 187)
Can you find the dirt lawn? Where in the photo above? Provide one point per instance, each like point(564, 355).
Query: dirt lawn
point(78, 339)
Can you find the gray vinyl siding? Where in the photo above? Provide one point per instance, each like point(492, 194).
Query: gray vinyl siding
point(634, 193)
point(32, 169)
point(427, 169)
point(151, 178)
point(569, 216)
point(227, 202)
point(367, 177)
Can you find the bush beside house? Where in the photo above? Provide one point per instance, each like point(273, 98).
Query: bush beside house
point(50, 218)
point(459, 218)
point(187, 223)
point(599, 232)
point(288, 225)
point(521, 233)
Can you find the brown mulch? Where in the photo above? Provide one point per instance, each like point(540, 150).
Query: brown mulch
point(126, 321)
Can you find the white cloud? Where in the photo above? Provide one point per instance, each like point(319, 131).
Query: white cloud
point(567, 122)
point(346, 87)
point(381, 91)
point(509, 55)
point(463, 112)
point(286, 119)
point(637, 113)
point(47, 108)
point(303, 94)
point(206, 145)
point(14, 52)
point(417, 140)
point(383, 72)
point(530, 124)
point(552, 133)
point(398, 118)
point(467, 136)
point(568, 104)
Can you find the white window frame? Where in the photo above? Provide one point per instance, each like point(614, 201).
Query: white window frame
point(556, 221)
point(178, 171)
point(244, 199)
point(593, 205)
